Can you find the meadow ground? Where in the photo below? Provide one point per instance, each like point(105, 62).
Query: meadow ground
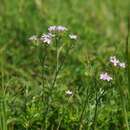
point(73, 83)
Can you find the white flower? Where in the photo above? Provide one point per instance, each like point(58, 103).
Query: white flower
point(57, 29)
point(68, 92)
point(122, 65)
point(46, 38)
point(52, 29)
point(73, 37)
point(33, 38)
point(114, 60)
point(61, 28)
point(105, 77)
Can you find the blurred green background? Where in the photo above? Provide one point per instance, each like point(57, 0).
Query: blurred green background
point(101, 26)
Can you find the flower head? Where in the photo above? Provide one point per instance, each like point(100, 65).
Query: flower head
point(46, 38)
point(73, 37)
point(57, 29)
point(52, 29)
point(61, 28)
point(68, 92)
point(114, 60)
point(105, 77)
point(122, 65)
point(33, 38)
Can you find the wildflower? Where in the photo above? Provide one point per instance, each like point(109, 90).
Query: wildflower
point(122, 65)
point(52, 29)
point(57, 29)
point(114, 60)
point(68, 92)
point(33, 38)
point(61, 29)
point(105, 77)
point(73, 37)
point(46, 38)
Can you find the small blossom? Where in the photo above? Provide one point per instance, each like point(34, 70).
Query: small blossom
point(52, 29)
point(105, 77)
point(46, 38)
point(57, 29)
point(68, 92)
point(114, 60)
point(61, 29)
point(122, 65)
point(73, 37)
point(33, 38)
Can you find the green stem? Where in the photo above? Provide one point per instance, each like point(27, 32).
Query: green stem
point(95, 113)
point(83, 110)
point(128, 55)
point(3, 118)
point(122, 100)
point(128, 75)
point(57, 58)
point(124, 107)
point(42, 58)
point(61, 119)
point(54, 82)
point(96, 108)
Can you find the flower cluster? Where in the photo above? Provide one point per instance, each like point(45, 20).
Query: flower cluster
point(69, 93)
point(116, 62)
point(33, 38)
point(47, 38)
point(73, 37)
point(105, 76)
point(122, 65)
point(57, 29)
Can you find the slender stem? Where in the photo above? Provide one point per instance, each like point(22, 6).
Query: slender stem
point(61, 119)
point(128, 55)
point(3, 118)
point(60, 122)
point(128, 75)
point(57, 71)
point(97, 99)
point(123, 107)
point(54, 82)
point(51, 90)
point(56, 53)
point(2, 74)
point(43, 77)
point(42, 59)
point(95, 113)
point(122, 99)
point(83, 110)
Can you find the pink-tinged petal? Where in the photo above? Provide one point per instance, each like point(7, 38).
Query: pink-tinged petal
point(105, 77)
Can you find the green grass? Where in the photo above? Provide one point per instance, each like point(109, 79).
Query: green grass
point(36, 103)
